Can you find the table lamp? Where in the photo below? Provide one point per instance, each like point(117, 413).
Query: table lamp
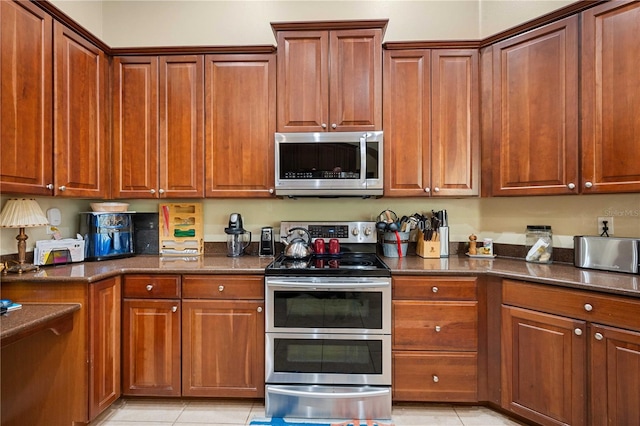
point(22, 213)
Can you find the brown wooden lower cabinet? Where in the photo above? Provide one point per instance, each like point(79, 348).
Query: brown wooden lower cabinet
point(223, 336)
point(435, 339)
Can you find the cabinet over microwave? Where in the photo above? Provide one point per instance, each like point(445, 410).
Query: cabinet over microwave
point(332, 164)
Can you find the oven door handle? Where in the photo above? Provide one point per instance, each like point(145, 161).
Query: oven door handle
point(332, 285)
point(330, 395)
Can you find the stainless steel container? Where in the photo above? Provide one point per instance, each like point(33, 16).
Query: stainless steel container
point(607, 253)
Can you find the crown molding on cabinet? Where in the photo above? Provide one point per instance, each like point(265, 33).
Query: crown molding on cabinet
point(191, 50)
point(330, 25)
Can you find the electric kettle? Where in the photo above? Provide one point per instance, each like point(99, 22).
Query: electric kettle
point(237, 240)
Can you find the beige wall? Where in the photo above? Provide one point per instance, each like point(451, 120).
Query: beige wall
point(175, 23)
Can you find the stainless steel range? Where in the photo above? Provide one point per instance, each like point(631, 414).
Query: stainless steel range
point(328, 328)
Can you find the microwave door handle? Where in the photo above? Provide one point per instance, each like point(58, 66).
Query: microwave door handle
point(363, 160)
point(331, 395)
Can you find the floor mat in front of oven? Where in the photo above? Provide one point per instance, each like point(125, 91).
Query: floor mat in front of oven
point(279, 421)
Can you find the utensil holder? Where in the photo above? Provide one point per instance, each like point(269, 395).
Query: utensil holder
point(390, 244)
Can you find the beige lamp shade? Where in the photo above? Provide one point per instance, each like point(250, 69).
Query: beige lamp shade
point(22, 213)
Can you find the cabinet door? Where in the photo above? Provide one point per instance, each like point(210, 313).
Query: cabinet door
point(611, 98)
point(223, 348)
point(303, 81)
point(407, 122)
point(543, 366)
point(135, 127)
point(25, 99)
point(241, 117)
point(455, 123)
point(181, 159)
point(151, 347)
point(615, 376)
point(81, 161)
point(535, 111)
point(355, 80)
point(104, 345)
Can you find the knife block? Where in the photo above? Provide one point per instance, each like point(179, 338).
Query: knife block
point(427, 249)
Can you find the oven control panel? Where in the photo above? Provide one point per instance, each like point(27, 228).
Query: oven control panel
point(345, 232)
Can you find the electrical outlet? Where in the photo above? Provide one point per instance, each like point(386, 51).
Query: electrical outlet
point(609, 221)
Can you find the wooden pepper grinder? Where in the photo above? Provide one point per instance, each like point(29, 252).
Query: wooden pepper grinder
point(472, 244)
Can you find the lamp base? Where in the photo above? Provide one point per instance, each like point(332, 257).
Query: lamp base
point(20, 268)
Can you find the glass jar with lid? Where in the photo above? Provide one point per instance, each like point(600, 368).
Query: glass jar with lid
point(539, 244)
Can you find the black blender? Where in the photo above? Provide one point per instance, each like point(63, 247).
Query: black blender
point(237, 240)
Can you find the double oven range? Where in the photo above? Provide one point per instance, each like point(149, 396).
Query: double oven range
point(328, 328)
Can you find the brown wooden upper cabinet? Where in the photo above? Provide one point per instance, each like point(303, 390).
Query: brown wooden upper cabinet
point(158, 127)
point(534, 146)
point(431, 122)
point(329, 76)
point(241, 120)
point(611, 98)
point(26, 102)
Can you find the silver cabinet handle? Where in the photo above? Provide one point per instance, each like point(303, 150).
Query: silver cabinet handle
point(149, 287)
point(259, 308)
point(436, 379)
point(160, 191)
point(323, 125)
point(588, 184)
point(598, 336)
point(49, 186)
point(571, 185)
point(220, 288)
point(427, 189)
point(62, 188)
point(334, 126)
point(152, 191)
point(438, 328)
point(434, 289)
point(436, 189)
point(174, 309)
point(588, 307)
point(578, 332)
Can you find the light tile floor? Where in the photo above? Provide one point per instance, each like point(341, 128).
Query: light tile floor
point(179, 412)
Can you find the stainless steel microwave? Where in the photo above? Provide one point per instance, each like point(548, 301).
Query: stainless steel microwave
point(331, 164)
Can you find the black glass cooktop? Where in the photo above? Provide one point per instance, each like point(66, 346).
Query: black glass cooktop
point(354, 264)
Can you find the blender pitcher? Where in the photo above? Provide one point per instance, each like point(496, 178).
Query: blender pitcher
point(238, 239)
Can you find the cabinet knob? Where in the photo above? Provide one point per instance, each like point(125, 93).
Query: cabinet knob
point(436, 379)
point(598, 336)
point(271, 191)
point(578, 332)
point(62, 188)
point(438, 328)
point(49, 186)
point(588, 184)
point(259, 308)
point(152, 191)
point(427, 189)
point(174, 309)
point(334, 126)
point(323, 125)
point(571, 185)
point(436, 189)
point(160, 191)
point(220, 288)
point(588, 307)
point(149, 287)
point(434, 289)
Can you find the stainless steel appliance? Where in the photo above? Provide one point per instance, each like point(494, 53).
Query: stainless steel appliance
point(107, 235)
point(329, 164)
point(328, 328)
point(267, 244)
point(607, 253)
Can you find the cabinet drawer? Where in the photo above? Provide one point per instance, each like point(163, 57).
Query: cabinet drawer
point(152, 286)
point(222, 287)
point(435, 325)
point(434, 288)
point(585, 305)
point(435, 376)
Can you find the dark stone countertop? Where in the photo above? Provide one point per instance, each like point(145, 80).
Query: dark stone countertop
point(565, 275)
point(35, 317)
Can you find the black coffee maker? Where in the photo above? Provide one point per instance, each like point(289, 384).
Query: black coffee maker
point(238, 239)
